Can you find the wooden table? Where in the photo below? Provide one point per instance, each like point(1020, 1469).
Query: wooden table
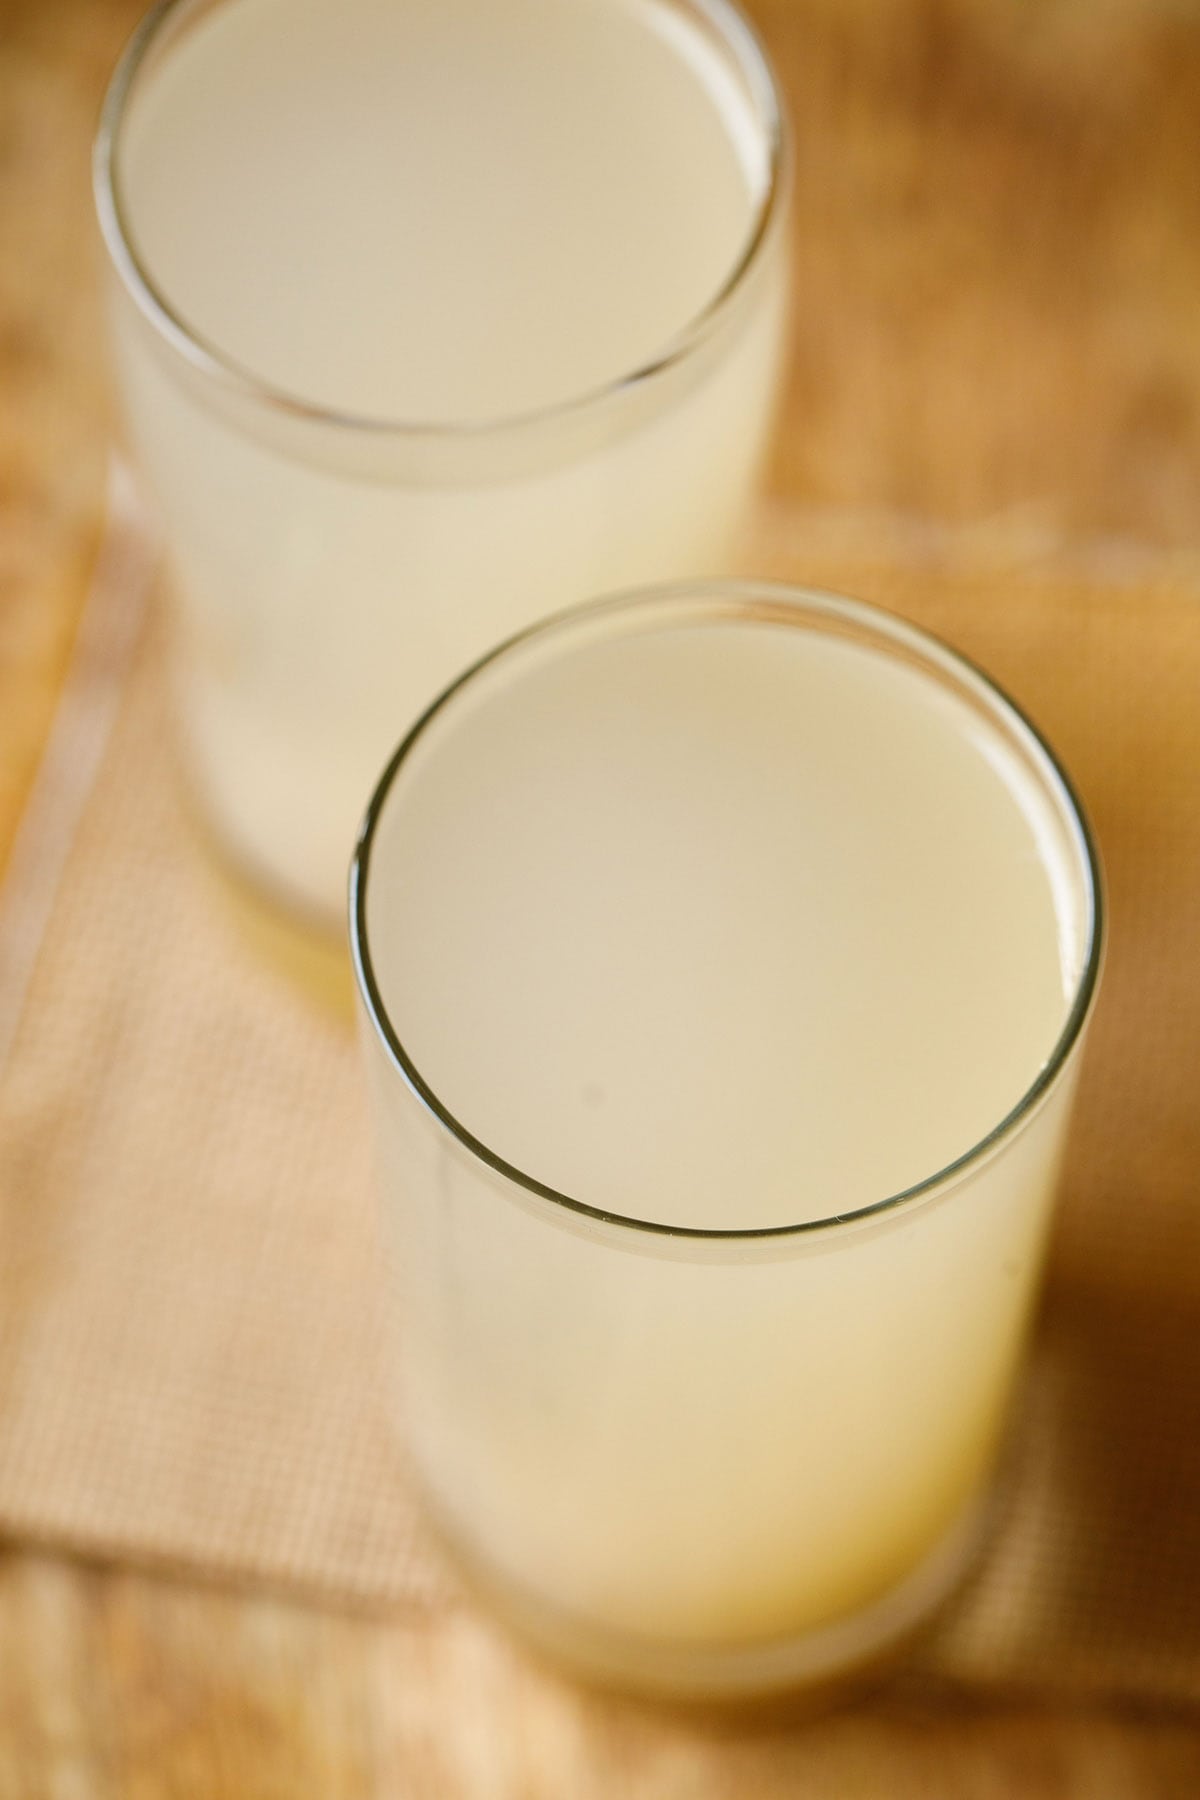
point(996, 326)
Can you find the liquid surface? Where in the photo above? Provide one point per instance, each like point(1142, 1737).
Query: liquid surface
point(441, 210)
point(726, 926)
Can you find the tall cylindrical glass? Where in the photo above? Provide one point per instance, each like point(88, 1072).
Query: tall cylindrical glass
point(725, 956)
point(407, 406)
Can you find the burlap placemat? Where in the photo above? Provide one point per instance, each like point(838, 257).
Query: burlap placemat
point(193, 1356)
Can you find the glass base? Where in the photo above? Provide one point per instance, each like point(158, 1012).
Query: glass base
point(816, 1664)
point(309, 954)
point(306, 949)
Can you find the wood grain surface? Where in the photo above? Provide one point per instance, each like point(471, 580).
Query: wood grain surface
point(996, 326)
point(115, 1684)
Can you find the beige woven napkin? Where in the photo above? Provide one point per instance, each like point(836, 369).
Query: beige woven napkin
point(193, 1355)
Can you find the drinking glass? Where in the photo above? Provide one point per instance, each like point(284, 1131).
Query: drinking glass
point(699, 1400)
point(333, 566)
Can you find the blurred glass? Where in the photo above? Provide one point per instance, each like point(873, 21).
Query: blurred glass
point(281, 281)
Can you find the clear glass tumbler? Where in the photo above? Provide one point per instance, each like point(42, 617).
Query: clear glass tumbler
point(335, 564)
point(725, 955)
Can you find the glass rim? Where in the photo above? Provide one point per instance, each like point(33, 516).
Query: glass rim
point(760, 602)
point(738, 38)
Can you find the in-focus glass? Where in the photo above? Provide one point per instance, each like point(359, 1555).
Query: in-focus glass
point(725, 955)
point(429, 319)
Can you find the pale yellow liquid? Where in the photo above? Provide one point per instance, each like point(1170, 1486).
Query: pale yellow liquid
point(423, 211)
point(725, 926)
point(730, 927)
point(442, 209)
